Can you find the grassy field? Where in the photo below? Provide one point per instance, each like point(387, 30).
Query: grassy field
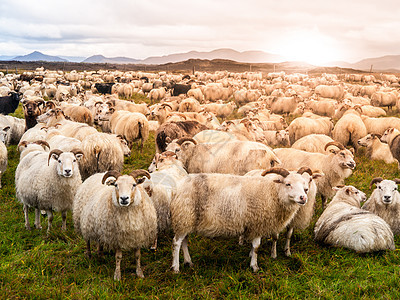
point(36, 266)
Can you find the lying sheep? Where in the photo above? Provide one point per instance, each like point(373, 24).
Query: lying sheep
point(336, 166)
point(376, 150)
point(385, 202)
point(303, 126)
point(232, 157)
point(391, 136)
point(344, 224)
point(277, 138)
point(115, 211)
point(220, 205)
point(313, 143)
point(48, 181)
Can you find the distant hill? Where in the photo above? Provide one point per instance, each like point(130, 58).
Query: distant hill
point(39, 56)
point(383, 63)
point(115, 60)
point(229, 54)
point(73, 58)
point(6, 57)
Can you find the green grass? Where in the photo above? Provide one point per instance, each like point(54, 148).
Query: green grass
point(36, 266)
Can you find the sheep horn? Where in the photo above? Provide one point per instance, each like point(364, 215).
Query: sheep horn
point(335, 143)
point(166, 104)
point(112, 173)
point(375, 180)
point(396, 180)
point(140, 172)
point(281, 171)
point(54, 151)
point(76, 151)
point(168, 153)
point(23, 144)
point(185, 139)
point(305, 169)
point(42, 143)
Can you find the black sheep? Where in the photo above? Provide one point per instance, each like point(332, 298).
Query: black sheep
point(8, 104)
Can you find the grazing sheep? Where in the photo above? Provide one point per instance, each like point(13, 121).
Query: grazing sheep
point(391, 136)
point(48, 181)
point(336, 166)
point(376, 150)
point(231, 157)
point(220, 205)
point(344, 224)
point(313, 143)
point(385, 202)
point(115, 211)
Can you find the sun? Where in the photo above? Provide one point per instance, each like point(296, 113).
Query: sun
point(308, 46)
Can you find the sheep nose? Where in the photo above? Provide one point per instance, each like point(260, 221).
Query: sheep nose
point(67, 172)
point(387, 198)
point(124, 200)
point(303, 200)
point(351, 165)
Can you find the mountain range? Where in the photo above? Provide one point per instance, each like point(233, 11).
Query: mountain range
point(383, 63)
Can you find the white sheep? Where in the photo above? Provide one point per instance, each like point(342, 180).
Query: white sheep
point(213, 136)
point(276, 137)
point(303, 126)
point(376, 150)
point(3, 157)
point(48, 181)
point(336, 166)
point(344, 224)
point(220, 205)
point(115, 211)
point(313, 143)
point(385, 202)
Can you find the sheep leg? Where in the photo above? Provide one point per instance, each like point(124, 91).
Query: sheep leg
point(88, 252)
point(37, 219)
point(49, 220)
point(255, 245)
point(323, 199)
point(26, 213)
point(275, 237)
point(287, 244)
point(139, 271)
point(154, 246)
point(186, 255)
point(241, 240)
point(100, 250)
point(64, 220)
point(176, 242)
point(118, 258)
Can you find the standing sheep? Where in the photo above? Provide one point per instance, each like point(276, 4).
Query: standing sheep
point(219, 205)
point(344, 224)
point(115, 211)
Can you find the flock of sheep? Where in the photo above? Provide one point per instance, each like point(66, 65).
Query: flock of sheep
point(226, 165)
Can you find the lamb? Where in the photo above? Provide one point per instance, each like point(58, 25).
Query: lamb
point(115, 211)
point(303, 126)
point(336, 166)
point(313, 143)
point(48, 181)
point(376, 150)
point(345, 224)
point(220, 205)
point(349, 129)
point(17, 128)
point(302, 218)
point(391, 136)
point(231, 157)
point(385, 201)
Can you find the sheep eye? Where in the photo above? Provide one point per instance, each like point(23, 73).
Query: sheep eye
point(356, 192)
point(306, 190)
point(74, 160)
point(379, 187)
point(133, 186)
point(59, 161)
point(288, 184)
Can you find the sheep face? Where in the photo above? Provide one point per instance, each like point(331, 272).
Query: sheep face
point(344, 158)
point(282, 137)
point(388, 134)
point(294, 187)
point(386, 189)
point(31, 108)
point(352, 192)
point(366, 141)
point(166, 158)
point(125, 191)
point(67, 163)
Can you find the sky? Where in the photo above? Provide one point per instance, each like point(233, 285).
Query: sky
point(310, 30)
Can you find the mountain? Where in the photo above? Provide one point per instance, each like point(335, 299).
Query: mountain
point(38, 56)
point(229, 54)
point(6, 57)
point(382, 63)
point(76, 59)
point(115, 60)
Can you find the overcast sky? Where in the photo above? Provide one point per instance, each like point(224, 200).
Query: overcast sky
point(338, 30)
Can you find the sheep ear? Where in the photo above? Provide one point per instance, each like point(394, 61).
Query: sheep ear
point(278, 181)
point(79, 156)
point(348, 191)
point(7, 128)
point(110, 180)
point(352, 150)
point(333, 150)
point(336, 188)
point(317, 175)
point(140, 180)
point(168, 140)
